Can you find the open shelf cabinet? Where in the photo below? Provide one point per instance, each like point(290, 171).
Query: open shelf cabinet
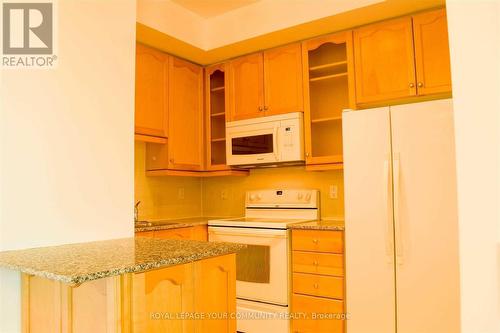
point(328, 89)
point(216, 102)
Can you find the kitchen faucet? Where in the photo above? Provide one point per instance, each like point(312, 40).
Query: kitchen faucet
point(136, 212)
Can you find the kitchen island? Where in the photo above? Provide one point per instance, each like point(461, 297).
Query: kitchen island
point(127, 285)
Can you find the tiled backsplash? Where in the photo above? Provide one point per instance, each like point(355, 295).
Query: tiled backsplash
point(164, 197)
point(226, 196)
point(176, 197)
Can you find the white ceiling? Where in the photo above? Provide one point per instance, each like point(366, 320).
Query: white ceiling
point(211, 8)
point(232, 21)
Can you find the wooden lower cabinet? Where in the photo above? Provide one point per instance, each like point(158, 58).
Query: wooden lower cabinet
point(318, 281)
point(198, 297)
point(191, 298)
point(177, 233)
point(149, 234)
point(215, 294)
point(322, 315)
point(50, 306)
point(199, 232)
point(160, 296)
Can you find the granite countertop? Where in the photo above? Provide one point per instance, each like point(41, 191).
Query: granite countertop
point(324, 224)
point(82, 262)
point(177, 223)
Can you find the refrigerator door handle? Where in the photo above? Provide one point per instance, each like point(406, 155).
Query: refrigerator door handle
point(397, 222)
point(389, 244)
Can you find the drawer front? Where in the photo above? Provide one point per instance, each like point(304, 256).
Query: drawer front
point(318, 263)
point(318, 241)
point(318, 285)
point(321, 315)
point(178, 233)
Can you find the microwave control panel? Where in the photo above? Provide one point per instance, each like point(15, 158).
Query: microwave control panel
point(290, 140)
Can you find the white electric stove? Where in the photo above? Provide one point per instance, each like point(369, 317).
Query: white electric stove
point(263, 268)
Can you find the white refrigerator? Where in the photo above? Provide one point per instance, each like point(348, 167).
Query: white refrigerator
point(401, 228)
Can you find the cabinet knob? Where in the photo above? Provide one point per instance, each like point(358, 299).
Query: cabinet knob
point(171, 160)
point(260, 108)
point(420, 84)
point(307, 154)
point(315, 241)
point(315, 263)
point(412, 85)
point(266, 108)
point(316, 286)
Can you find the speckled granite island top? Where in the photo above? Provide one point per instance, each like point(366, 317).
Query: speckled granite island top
point(177, 223)
point(335, 225)
point(82, 262)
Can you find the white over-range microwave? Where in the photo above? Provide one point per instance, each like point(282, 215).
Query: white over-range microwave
point(265, 141)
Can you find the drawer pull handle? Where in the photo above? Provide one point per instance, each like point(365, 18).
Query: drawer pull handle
point(316, 286)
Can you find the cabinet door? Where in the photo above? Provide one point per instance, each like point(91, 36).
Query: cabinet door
point(160, 296)
point(283, 80)
point(384, 61)
point(185, 142)
point(215, 293)
point(151, 81)
point(432, 56)
point(247, 87)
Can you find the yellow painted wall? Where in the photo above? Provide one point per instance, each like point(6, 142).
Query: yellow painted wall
point(281, 178)
point(159, 196)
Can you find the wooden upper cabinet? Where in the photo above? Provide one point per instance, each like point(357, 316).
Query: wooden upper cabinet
point(432, 56)
point(185, 142)
point(246, 87)
point(384, 61)
point(328, 72)
point(151, 92)
point(283, 80)
point(216, 101)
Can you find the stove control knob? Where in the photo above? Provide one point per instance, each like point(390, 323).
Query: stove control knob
point(300, 196)
point(259, 196)
point(308, 196)
point(252, 197)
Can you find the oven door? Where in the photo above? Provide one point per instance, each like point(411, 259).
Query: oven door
point(252, 144)
point(261, 268)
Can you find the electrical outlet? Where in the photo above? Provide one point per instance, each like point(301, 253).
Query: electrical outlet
point(180, 193)
point(334, 192)
point(223, 194)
